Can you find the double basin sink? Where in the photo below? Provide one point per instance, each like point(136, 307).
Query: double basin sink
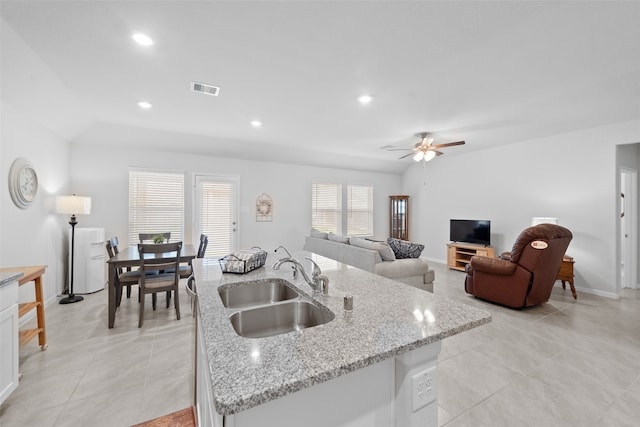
point(270, 307)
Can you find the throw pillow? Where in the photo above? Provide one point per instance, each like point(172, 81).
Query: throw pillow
point(405, 249)
point(318, 234)
point(338, 238)
point(383, 248)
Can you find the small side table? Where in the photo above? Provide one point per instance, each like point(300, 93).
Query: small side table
point(32, 274)
point(566, 274)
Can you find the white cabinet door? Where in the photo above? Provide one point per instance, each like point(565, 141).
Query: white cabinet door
point(9, 339)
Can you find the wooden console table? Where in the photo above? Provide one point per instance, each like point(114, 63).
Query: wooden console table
point(566, 274)
point(459, 254)
point(32, 274)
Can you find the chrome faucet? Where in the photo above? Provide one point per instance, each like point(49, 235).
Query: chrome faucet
point(294, 267)
point(318, 281)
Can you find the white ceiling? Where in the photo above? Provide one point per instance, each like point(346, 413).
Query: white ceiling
point(490, 73)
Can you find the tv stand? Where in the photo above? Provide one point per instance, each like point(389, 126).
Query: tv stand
point(459, 254)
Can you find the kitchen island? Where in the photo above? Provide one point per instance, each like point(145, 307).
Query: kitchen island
point(374, 365)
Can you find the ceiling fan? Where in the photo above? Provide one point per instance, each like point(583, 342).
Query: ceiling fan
point(425, 149)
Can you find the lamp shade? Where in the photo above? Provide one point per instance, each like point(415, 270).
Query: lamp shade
point(543, 220)
point(73, 205)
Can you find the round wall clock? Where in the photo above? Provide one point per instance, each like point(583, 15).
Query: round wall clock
point(23, 183)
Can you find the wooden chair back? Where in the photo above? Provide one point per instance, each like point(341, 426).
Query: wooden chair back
point(204, 241)
point(162, 257)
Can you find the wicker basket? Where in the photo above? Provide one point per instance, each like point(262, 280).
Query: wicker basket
point(243, 261)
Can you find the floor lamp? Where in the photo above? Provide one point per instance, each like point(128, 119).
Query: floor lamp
point(73, 205)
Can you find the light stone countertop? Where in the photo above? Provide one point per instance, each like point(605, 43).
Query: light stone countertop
point(9, 277)
point(388, 319)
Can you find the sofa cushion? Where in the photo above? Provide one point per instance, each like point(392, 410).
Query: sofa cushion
point(402, 268)
point(338, 238)
point(405, 249)
point(383, 248)
point(318, 234)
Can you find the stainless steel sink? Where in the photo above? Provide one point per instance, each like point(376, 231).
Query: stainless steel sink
point(279, 318)
point(256, 292)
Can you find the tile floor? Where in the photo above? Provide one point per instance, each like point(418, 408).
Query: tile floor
point(565, 363)
point(94, 376)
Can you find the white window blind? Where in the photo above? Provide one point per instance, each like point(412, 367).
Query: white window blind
point(156, 204)
point(359, 210)
point(328, 215)
point(326, 207)
point(216, 215)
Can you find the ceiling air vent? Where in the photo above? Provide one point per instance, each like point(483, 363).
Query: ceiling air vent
point(206, 89)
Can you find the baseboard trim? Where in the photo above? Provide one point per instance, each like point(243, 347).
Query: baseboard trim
point(597, 292)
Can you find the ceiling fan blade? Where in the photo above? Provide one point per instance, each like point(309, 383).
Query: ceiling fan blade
point(448, 144)
point(438, 153)
point(399, 149)
point(406, 155)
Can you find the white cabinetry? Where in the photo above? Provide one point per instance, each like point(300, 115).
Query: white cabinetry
point(8, 339)
point(205, 412)
point(89, 268)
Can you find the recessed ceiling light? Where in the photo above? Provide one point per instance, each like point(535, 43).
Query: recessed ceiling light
point(365, 99)
point(142, 39)
point(256, 123)
point(144, 105)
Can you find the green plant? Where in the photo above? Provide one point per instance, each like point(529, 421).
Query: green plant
point(158, 238)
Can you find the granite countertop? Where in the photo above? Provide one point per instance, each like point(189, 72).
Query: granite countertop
point(7, 277)
point(388, 319)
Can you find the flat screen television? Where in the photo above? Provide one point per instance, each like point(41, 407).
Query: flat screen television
point(470, 231)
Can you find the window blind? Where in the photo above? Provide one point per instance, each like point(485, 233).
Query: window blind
point(156, 204)
point(359, 210)
point(328, 215)
point(326, 207)
point(216, 215)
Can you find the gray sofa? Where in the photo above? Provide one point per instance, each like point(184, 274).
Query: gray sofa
point(412, 271)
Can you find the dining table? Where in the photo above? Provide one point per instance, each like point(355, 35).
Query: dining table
point(130, 257)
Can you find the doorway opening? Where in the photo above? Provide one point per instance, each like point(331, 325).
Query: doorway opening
point(628, 228)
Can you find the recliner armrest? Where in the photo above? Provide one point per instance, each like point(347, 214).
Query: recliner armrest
point(493, 265)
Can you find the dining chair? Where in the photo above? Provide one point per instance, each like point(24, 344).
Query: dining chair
point(163, 281)
point(123, 277)
point(186, 270)
point(191, 291)
point(143, 237)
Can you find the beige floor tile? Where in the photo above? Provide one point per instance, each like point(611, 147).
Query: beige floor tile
point(565, 363)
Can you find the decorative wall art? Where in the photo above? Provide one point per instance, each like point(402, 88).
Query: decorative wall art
point(264, 208)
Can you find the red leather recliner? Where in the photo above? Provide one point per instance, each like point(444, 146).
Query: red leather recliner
point(527, 278)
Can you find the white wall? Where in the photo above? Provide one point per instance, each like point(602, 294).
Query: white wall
point(102, 173)
point(571, 176)
point(34, 236)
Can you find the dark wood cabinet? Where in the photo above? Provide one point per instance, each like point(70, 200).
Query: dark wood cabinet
point(399, 217)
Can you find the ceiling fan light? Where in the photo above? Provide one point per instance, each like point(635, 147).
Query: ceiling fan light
point(142, 39)
point(419, 156)
point(430, 154)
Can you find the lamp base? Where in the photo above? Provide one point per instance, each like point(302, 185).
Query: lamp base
point(71, 299)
